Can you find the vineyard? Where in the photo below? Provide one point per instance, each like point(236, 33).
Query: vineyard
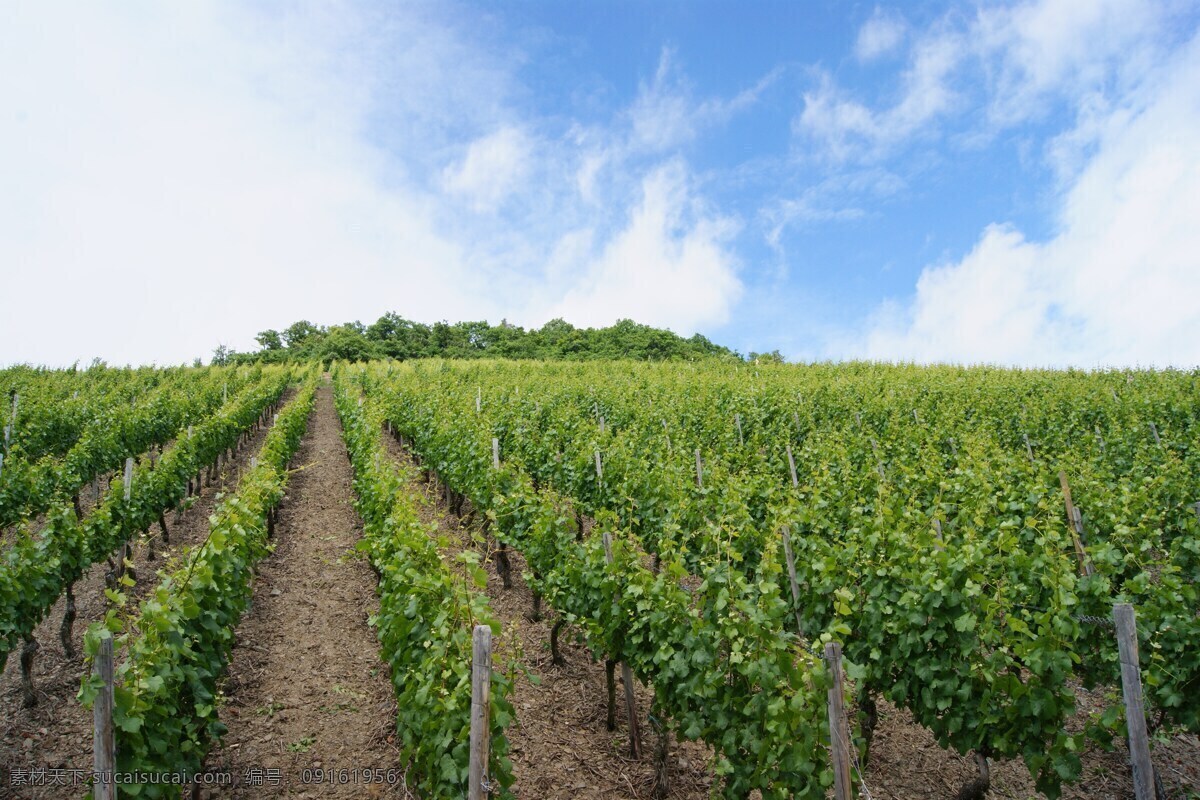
point(695, 579)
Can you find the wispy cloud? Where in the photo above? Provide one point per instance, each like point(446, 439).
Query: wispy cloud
point(880, 35)
point(1115, 285)
point(493, 167)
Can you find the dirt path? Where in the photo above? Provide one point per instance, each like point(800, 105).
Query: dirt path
point(307, 693)
point(560, 745)
point(57, 733)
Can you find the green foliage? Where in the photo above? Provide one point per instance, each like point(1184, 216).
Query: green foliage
point(166, 705)
point(978, 629)
point(104, 431)
point(392, 336)
point(723, 667)
point(36, 569)
point(426, 617)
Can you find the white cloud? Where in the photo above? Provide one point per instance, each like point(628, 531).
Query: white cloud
point(844, 127)
point(1046, 48)
point(493, 167)
point(1116, 285)
point(668, 267)
point(665, 115)
point(1016, 61)
point(880, 35)
point(180, 175)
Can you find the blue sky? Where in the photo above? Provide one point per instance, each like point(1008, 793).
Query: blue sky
point(1012, 183)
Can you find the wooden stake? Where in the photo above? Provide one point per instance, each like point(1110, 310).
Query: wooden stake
point(839, 743)
point(104, 749)
point(791, 568)
point(1028, 447)
point(599, 469)
point(792, 468)
point(128, 478)
point(495, 453)
point(699, 471)
point(1135, 715)
point(737, 420)
point(1075, 521)
point(878, 461)
point(635, 738)
point(1154, 430)
point(478, 399)
point(481, 706)
point(937, 529)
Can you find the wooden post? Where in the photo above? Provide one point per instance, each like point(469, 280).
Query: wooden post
point(1154, 430)
point(915, 417)
point(602, 423)
point(1135, 714)
point(839, 743)
point(1028, 447)
point(953, 446)
point(495, 453)
point(937, 529)
point(791, 568)
point(878, 461)
point(1075, 521)
point(737, 420)
point(599, 469)
point(792, 468)
point(481, 689)
point(128, 478)
point(635, 738)
point(1, 463)
point(478, 399)
point(699, 471)
point(104, 750)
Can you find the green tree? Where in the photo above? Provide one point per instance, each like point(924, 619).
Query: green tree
point(269, 340)
point(298, 333)
point(222, 355)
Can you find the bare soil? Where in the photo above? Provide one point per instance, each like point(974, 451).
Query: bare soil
point(907, 763)
point(307, 695)
point(56, 734)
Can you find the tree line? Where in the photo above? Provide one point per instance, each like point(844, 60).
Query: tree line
point(392, 336)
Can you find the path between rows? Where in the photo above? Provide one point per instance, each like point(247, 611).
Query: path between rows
point(307, 695)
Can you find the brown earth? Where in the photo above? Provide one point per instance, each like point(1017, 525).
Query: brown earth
point(307, 695)
point(56, 734)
